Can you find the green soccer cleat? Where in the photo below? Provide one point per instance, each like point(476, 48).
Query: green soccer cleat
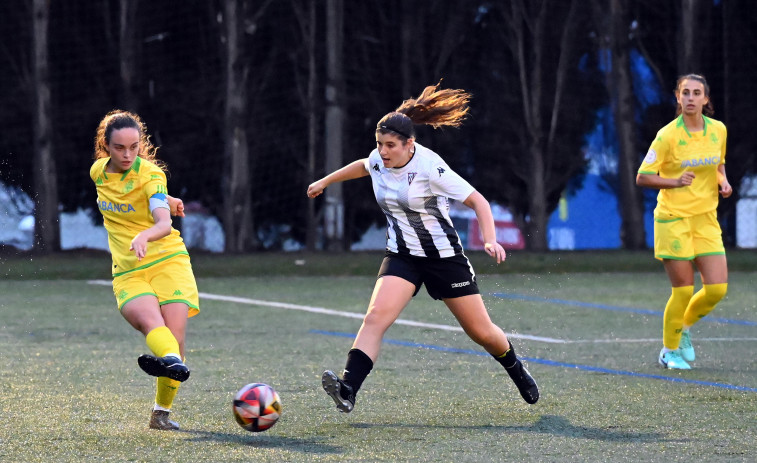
point(685, 347)
point(673, 360)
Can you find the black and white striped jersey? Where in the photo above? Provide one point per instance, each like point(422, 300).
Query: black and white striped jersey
point(414, 199)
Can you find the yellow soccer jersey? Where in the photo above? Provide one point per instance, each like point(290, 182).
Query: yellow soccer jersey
point(676, 150)
point(124, 201)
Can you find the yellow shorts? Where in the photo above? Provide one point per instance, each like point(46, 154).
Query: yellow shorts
point(685, 238)
point(170, 281)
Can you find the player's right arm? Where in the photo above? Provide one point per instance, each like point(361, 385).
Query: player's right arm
point(160, 229)
point(351, 171)
point(649, 172)
point(660, 183)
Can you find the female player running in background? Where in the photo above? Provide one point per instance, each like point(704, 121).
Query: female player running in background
point(412, 185)
point(153, 282)
point(686, 162)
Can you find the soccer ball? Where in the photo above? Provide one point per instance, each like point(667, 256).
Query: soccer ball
point(256, 407)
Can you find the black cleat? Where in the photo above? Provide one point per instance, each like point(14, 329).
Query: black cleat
point(169, 366)
point(338, 390)
point(159, 420)
point(525, 383)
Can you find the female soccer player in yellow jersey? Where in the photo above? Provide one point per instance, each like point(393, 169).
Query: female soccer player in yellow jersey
point(153, 282)
point(412, 185)
point(686, 162)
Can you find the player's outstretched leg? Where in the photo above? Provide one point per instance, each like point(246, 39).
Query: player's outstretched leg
point(339, 391)
point(159, 420)
point(520, 375)
point(168, 366)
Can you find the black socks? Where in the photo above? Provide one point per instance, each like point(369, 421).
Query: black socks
point(357, 368)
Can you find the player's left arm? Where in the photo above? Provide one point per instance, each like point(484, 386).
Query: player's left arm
point(176, 205)
point(161, 229)
point(723, 185)
point(483, 210)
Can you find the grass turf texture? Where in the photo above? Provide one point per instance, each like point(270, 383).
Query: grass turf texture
point(71, 389)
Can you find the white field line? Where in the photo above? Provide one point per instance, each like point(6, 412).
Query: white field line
point(339, 313)
point(400, 321)
point(696, 339)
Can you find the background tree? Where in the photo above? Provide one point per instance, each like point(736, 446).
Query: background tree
point(333, 213)
point(536, 165)
point(307, 81)
point(615, 32)
point(46, 227)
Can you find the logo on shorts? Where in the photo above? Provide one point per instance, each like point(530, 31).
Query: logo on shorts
point(122, 294)
point(461, 284)
point(676, 245)
point(178, 293)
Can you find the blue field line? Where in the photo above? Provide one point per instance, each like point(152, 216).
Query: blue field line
point(615, 308)
point(552, 363)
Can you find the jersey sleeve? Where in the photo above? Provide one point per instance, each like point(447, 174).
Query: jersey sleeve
point(446, 182)
point(154, 186)
point(96, 169)
point(722, 145)
point(656, 154)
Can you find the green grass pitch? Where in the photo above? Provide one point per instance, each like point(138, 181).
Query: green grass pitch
point(72, 391)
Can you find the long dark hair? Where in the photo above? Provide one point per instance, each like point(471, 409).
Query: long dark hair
point(434, 107)
point(708, 109)
point(117, 120)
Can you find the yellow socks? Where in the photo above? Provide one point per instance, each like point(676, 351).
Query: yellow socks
point(162, 342)
point(166, 392)
point(703, 302)
point(672, 323)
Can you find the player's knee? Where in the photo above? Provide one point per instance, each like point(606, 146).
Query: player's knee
point(714, 293)
point(377, 319)
point(484, 336)
point(683, 293)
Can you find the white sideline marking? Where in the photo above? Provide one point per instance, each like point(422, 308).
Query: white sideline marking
point(339, 313)
point(599, 341)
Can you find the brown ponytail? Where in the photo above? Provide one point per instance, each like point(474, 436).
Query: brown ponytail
point(434, 107)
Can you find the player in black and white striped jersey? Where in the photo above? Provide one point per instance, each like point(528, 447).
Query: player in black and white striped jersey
point(413, 185)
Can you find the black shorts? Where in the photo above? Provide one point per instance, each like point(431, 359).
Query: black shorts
point(445, 278)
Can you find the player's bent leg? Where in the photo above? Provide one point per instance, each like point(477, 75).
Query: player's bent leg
point(474, 319)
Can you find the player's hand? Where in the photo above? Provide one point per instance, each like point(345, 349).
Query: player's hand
point(316, 188)
point(725, 188)
point(495, 250)
point(686, 179)
point(176, 205)
point(139, 246)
